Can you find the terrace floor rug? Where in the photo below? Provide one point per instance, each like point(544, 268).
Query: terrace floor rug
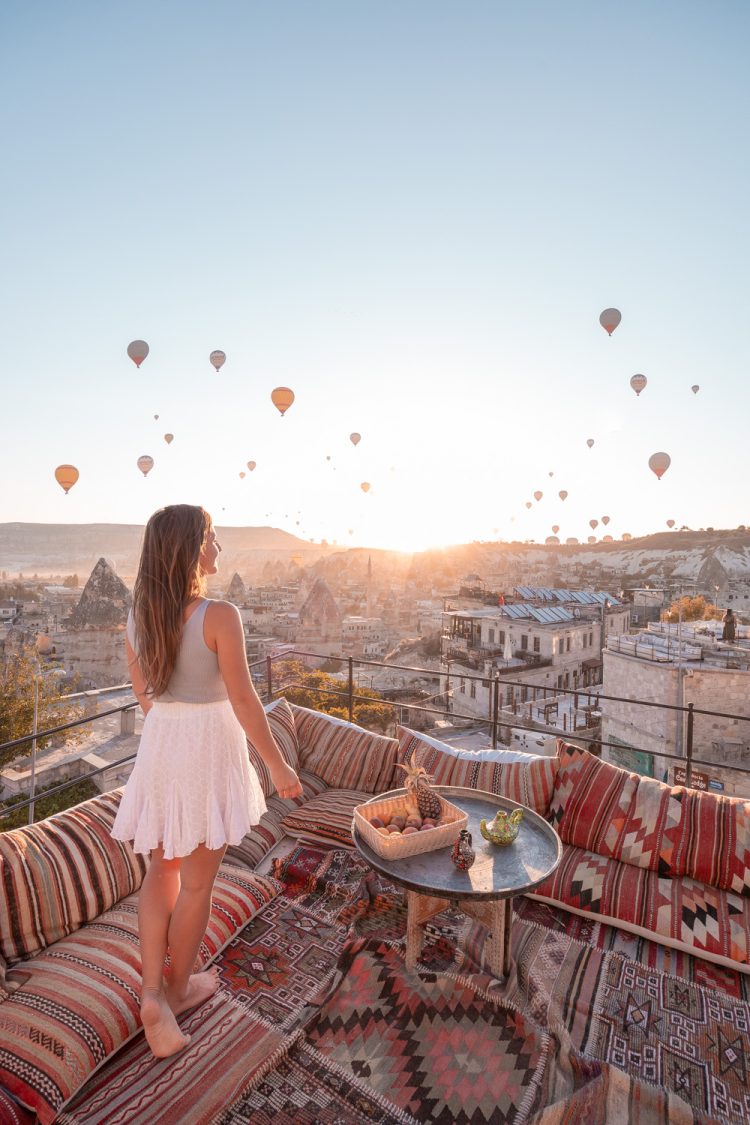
point(317, 1020)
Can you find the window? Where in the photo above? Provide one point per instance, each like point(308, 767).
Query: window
point(501, 637)
point(462, 686)
point(537, 644)
point(492, 636)
point(473, 689)
point(560, 682)
point(585, 640)
point(524, 694)
point(567, 644)
point(524, 642)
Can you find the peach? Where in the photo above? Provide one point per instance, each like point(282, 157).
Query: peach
point(414, 822)
point(426, 827)
point(399, 821)
point(410, 830)
point(384, 831)
point(393, 828)
point(376, 822)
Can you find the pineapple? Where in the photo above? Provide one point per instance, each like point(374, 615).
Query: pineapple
point(417, 782)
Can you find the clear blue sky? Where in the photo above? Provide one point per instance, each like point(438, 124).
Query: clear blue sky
point(412, 213)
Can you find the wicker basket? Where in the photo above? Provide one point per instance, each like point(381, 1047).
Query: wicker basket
point(397, 846)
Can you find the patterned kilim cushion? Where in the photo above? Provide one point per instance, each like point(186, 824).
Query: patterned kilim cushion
point(328, 818)
point(664, 828)
point(343, 754)
point(78, 1000)
point(529, 781)
point(682, 913)
point(281, 722)
point(264, 836)
point(61, 873)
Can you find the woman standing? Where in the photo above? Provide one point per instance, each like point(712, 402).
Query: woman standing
point(192, 790)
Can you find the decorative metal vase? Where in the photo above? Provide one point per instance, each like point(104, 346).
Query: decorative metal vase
point(463, 855)
point(503, 829)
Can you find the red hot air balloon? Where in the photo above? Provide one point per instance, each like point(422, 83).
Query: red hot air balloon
point(251, 465)
point(555, 528)
point(563, 494)
point(609, 319)
point(593, 524)
point(658, 463)
point(605, 520)
point(538, 496)
point(145, 464)
point(138, 350)
point(670, 524)
point(638, 382)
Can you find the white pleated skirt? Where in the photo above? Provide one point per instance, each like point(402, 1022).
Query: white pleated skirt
point(192, 782)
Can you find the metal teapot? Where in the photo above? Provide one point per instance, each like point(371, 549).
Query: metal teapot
point(503, 829)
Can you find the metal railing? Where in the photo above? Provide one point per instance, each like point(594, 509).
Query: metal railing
point(496, 718)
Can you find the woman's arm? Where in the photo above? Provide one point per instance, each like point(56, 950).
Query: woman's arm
point(223, 628)
point(137, 680)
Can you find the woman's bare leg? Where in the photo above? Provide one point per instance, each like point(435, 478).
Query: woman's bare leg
point(187, 926)
point(159, 892)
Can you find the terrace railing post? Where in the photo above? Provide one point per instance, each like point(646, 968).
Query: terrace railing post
point(269, 678)
point(689, 747)
point(495, 708)
point(351, 689)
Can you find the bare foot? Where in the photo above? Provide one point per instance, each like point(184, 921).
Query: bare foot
point(162, 1033)
point(200, 987)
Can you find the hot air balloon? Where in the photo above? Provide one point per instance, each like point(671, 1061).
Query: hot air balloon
point(550, 474)
point(528, 503)
point(365, 486)
point(145, 464)
point(589, 442)
point(355, 439)
point(609, 319)
point(593, 524)
point(138, 350)
point(555, 528)
point(638, 382)
point(242, 475)
point(670, 524)
point(169, 438)
point(659, 463)
point(66, 476)
point(538, 496)
point(605, 520)
point(217, 359)
point(695, 388)
point(282, 398)
point(156, 417)
point(562, 494)
point(251, 465)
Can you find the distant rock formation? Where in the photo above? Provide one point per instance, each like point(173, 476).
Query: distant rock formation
point(320, 617)
point(236, 592)
point(105, 600)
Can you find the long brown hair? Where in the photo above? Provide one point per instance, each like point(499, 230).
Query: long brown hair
point(168, 578)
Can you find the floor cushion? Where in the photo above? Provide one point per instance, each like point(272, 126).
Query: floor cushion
point(281, 722)
point(77, 1001)
point(265, 835)
point(344, 754)
point(529, 781)
point(327, 818)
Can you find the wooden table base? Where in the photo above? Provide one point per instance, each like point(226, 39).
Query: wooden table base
point(495, 914)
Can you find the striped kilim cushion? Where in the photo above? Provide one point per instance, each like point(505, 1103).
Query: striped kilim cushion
point(281, 722)
point(78, 1001)
point(681, 913)
point(61, 873)
point(664, 828)
point(530, 781)
point(343, 754)
point(328, 818)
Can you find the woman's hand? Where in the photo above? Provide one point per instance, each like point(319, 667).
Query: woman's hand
point(286, 781)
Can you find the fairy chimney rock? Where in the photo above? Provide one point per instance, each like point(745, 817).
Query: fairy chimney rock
point(236, 592)
point(105, 600)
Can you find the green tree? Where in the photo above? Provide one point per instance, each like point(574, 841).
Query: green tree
point(693, 609)
point(19, 673)
point(321, 692)
point(72, 582)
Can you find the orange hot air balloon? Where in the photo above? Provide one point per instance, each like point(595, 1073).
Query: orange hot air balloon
point(538, 496)
point(251, 465)
point(562, 494)
point(66, 476)
point(609, 319)
point(355, 439)
point(169, 438)
point(242, 475)
point(145, 464)
point(638, 382)
point(217, 359)
point(528, 503)
point(365, 486)
point(659, 463)
point(605, 520)
point(670, 523)
point(593, 524)
point(695, 388)
point(555, 528)
point(138, 350)
point(282, 398)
